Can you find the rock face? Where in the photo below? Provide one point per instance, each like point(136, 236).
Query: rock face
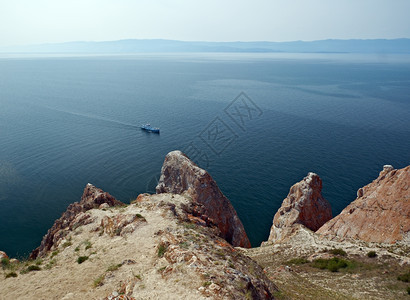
point(73, 217)
point(380, 213)
point(304, 205)
point(180, 175)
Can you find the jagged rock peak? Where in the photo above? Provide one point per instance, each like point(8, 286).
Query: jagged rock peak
point(380, 213)
point(180, 175)
point(304, 205)
point(92, 198)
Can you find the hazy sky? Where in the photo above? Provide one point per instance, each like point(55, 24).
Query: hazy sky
point(42, 21)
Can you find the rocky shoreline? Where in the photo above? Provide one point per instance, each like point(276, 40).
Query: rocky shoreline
point(186, 241)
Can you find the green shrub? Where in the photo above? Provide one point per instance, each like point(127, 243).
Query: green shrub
point(50, 264)
point(67, 244)
point(371, 254)
point(161, 250)
point(338, 251)
point(99, 281)
point(38, 262)
point(206, 283)
point(5, 263)
point(88, 245)
point(54, 253)
point(33, 268)
point(297, 261)
point(332, 264)
point(408, 290)
point(404, 277)
point(12, 274)
point(139, 216)
point(113, 267)
point(82, 259)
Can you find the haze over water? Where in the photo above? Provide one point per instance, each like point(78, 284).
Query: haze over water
point(67, 121)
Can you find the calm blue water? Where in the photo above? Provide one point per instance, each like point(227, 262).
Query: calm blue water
point(67, 121)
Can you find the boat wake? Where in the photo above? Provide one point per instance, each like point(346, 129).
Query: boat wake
point(108, 122)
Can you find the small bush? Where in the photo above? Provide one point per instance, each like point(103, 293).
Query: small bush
point(371, 254)
point(50, 264)
point(5, 263)
point(161, 269)
point(161, 250)
point(404, 277)
point(67, 244)
point(408, 290)
point(333, 264)
point(77, 249)
point(206, 283)
point(338, 251)
point(99, 281)
point(113, 267)
point(297, 261)
point(38, 262)
point(12, 274)
point(33, 268)
point(54, 253)
point(88, 245)
point(82, 259)
point(139, 216)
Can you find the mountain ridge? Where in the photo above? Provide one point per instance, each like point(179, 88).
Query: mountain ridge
point(399, 45)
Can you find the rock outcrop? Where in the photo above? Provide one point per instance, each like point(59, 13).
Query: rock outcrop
point(380, 213)
point(179, 175)
point(304, 205)
point(149, 249)
point(73, 217)
point(3, 255)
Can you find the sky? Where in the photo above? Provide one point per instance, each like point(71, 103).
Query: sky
point(24, 22)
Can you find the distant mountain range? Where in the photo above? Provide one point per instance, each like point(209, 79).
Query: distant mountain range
point(172, 46)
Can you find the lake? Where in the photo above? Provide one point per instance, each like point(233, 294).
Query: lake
point(258, 123)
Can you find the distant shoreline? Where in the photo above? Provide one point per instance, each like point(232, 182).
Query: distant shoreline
point(375, 46)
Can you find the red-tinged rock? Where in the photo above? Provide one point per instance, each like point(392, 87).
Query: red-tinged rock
point(92, 198)
point(304, 205)
point(380, 213)
point(196, 220)
point(3, 255)
point(180, 175)
point(120, 224)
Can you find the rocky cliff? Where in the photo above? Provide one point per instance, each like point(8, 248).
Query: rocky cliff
point(304, 205)
point(150, 249)
point(180, 244)
point(92, 198)
point(179, 175)
point(380, 213)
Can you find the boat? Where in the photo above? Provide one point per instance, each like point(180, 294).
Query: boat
point(147, 127)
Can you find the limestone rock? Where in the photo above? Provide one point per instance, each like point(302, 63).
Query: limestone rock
point(180, 175)
point(380, 213)
point(304, 205)
point(73, 217)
